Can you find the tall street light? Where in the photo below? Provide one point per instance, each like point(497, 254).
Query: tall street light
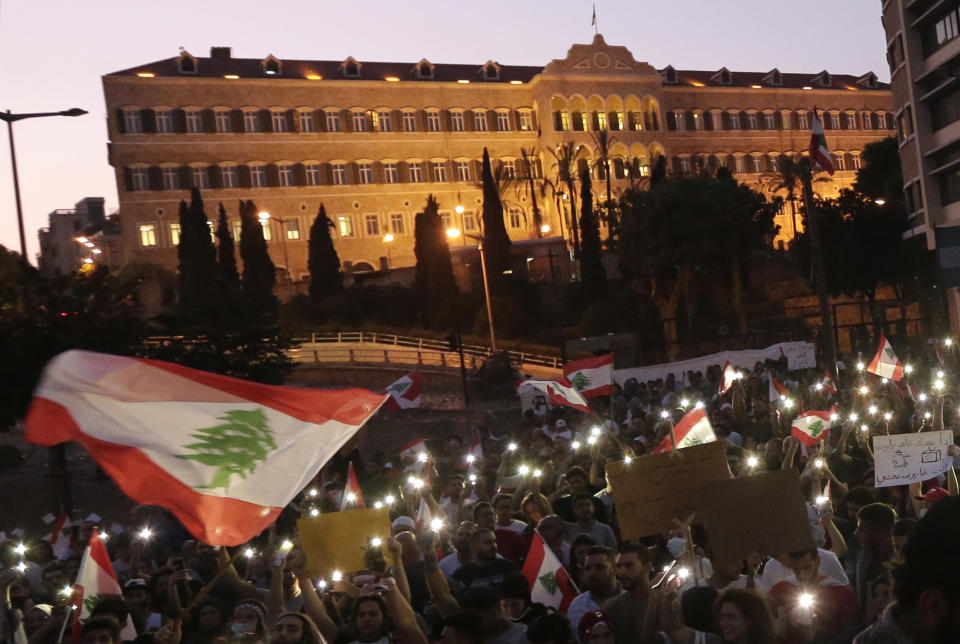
point(10, 119)
point(265, 218)
point(453, 233)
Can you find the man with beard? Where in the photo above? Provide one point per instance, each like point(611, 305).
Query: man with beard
point(485, 569)
point(461, 542)
point(627, 609)
point(601, 582)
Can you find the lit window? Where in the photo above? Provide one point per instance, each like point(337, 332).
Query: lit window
point(291, 227)
point(509, 168)
point(365, 173)
point(175, 234)
point(635, 121)
point(222, 121)
point(384, 121)
point(515, 217)
point(164, 121)
point(851, 121)
point(803, 121)
point(834, 121)
point(720, 160)
point(267, 230)
point(359, 121)
point(345, 225)
point(456, 121)
point(698, 123)
point(564, 122)
point(251, 121)
point(526, 121)
point(171, 179)
point(148, 235)
point(769, 121)
point(396, 224)
point(201, 179)
point(681, 119)
point(416, 172)
point(684, 165)
point(469, 221)
point(390, 174)
point(785, 120)
point(237, 228)
point(140, 179)
point(439, 170)
point(739, 165)
point(132, 123)
point(258, 176)
point(409, 121)
point(772, 163)
point(194, 122)
point(855, 160)
point(839, 161)
point(333, 121)
point(599, 121)
point(617, 121)
point(717, 118)
point(306, 120)
point(445, 220)
point(503, 121)
point(286, 175)
point(463, 171)
point(433, 121)
point(480, 121)
point(279, 121)
point(734, 120)
point(371, 225)
point(751, 121)
point(867, 120)
point(339, 174)
point(312, 172)
point(228, 176)
point(757, 162)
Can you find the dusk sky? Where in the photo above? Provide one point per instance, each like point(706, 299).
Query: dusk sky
point(55, 53)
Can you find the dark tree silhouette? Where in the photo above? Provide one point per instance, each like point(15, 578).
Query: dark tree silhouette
point(323, 261)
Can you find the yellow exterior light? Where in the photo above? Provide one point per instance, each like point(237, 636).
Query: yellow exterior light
point(388, 237)
point(263, 215)
point(391, 79)
point(545, 228)
point(463, 81)
point(231, 76)
point(146, 74)
point(516, 82)
point(756, 86)
point(453, 233)
point(459, 209)
point(807, 87)
point(314, 77)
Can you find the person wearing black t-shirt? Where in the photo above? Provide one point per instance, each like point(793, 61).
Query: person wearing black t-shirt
point(485, 568)
point(577, 482)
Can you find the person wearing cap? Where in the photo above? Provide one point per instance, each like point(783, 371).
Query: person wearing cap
point(515, 600)
point(403, 524)
point(931, 496)
point(596, 627)
point(498, 628)
point(136, 594)
point(575, 482)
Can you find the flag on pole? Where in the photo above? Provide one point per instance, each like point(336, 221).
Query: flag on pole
point(474, 456)
point(224, 455)
point(829, 386)
point(693, 429)
point(352, 498)
point(819, 153)
point(885, 363)
point(96, 579)
point(591, 376)
point(58, 540)
point(777, 389)
point(593, 22)
point(812, 426)
point(424, 514)
point(559, 392)
point(728, 377)
point(550, 584)
point(414, 456)
point(405, 392)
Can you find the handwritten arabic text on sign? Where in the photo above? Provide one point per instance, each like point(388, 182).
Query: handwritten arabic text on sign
point(911, 458)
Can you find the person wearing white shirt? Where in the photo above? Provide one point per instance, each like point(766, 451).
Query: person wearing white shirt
point(775, 571)
point(601, 582)
point(503, 507)
point(461, 542)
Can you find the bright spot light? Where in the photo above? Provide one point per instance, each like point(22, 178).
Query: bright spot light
point(788, 402)
point(388, 238)
point(948, 342)
point(314, 512)
point(22, 567)
point(21, 549)
point(322, 584)
point(337, 575)
point(864, 428)
point(471, 458)
point(927, 415)
point(145, 534)
point(286, 545)
point(939, 374)
point(453, 233)
point(872, 409)
point(908, 368)
point(376, 542)
point(524, 470)
point(818, 386)
point(753, 461)
point(436, 525)
point(104, 535)
point(66, 591)
point(864, 390)
point(859, 366)
point(627, 460)
point(683, 573)
point(595, 431)
point(377, 505)
point(922, 397)
point(821, 500)
point(698, 405)
point(545, 228)
point(818, 463)
point(592, 440)
point(422, 457)
point(887, 416)
point(249, 553)
point(684, 402)
point(834, 417)
point(351, 497)
point(938, 385)
point(459, 209)
point(312, 492)
point(664, 414)
point(472, 478)
point(853, 416)
point(575, 444)
point(537, 473)
point(389, 499)
point(512, 447)
point(805, 601)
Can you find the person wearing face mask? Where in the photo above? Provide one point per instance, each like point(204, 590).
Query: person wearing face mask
point(248, 624)
point(699, 567)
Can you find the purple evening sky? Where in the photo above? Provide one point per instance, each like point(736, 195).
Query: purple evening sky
point(56, 52)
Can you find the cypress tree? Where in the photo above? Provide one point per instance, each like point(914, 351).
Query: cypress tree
point(496, 241)
point(593, 276)
point(197, 257)
point(226, 258)
point(323, 261)
point(259, 274)
point(433, 281)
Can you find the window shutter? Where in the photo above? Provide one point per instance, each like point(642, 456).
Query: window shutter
point(156, 177)
point(273, 175)
point(213, 174)
point(293, 123)
point(148, 121)
point(320, 120)
point(209, 120)
point(377, 172)
point(671, 121)
point(299, 175)
point(243, 176)
point(266, 123)
point(121, 123)
point(128, 179)
point(403, 171)
point(236, 120)
point(185, 175)
point(179, 120)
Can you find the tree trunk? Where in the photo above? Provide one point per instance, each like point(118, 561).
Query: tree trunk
point(668, 311)
point(574, 224)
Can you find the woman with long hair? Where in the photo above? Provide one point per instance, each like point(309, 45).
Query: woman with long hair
point(743, 617)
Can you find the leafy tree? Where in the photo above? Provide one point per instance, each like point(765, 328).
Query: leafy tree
point(787, 179)
point(226, 257)
point(433, 281)
point(658, 171)
point(197, 256)
point(323, 261)
point(880, 175)
point(496, 242)
point(592, 274)
point(259, 274)
point(566, 157)
point(608, 211)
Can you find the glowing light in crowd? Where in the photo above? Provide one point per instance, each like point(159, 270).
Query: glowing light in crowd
point(853, 416)
point(422, 457)
point(436, 525)
point(887, 416)
point(249, 553)
point(389, 499)
point(66, 591)
point(312, 492)
point(948, 342)
point(834, 417)
point(938, 385)
point(805, 601)
point(575, 444)
point(818, 463)
point(471, 458)
point(908, 368)
point(872, 409)
point(818, 386)
point(592, 440)
point(104, 535)
point(864, 390)
point(22, 567)
point(376, 542)
point(664, 414)
point(337, 575)
point(377, 505)
point(788, 402)
point(927, 415)
point(472, 478)
point(524, 470)
point(322, 584)
point(627, 460)
point(698, 405)
point(753, 461)
point(821, 500)
point(415, 482)
point(684, 402)
point(859, 366)
point(683, 573)
point(922, 397)
point(864, 428)
point(21, 549)
point(314, 512)
point(537, 473)
point(595, 431)
point(286, 545)
point(351, 497)
point(145, 534)
point(512, 447)
point(939, 374)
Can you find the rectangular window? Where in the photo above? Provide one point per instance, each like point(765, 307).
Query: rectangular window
point(770, 121)
point(164, 121)
point(132, 124)
point(416, 172)
point(739, 165)
point(945, 109)
point(409, 121)
point(840, 161)
point(565, 121)
point(140, 179)
point(365, 173)
point(201, 179)
point(175, 234)
point(785, 121)
point(697, 121)
point(279, 121)
point(942, 31)
point(312, 172)
point(757, 163)
point(258, 176)
point(463, 171)
point(148, 235)
point(384, 121)
point(439, 170)
point(433, 121)
point(772, 163)
point(600, 121)
point(526, 121)
point(237, 230)
point(222, 119)
point(371, 224)
point(617, 121)
point(390, 173)
point(681, 120)
point(456, 121)
point(291, 228)
point(445, 220)
point(734, 120)
point(503, 121)
point(286, 175)
point(480, 121)
point(855, 160)
point(171, 179)
point(267, 229)
point(396, 224)
point(469, 220)
point(867, 121)
point(306, 120)
point(515, 217)
point(345, 225)
point(509, 169)
point(751, 121)
point(721, 161)
point(228, 176)
point(851, 121)
point(194, 122)
point(359, 121)
point(339, 171)
point(716, 119)
point(803, 121)
point(251, 121)
point(333, 121)
point(684, 165)
point(834, 121)
point(950, 186)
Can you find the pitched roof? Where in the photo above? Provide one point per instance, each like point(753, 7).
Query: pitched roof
point(698, 78)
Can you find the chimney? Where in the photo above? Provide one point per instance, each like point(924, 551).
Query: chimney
point(220, 52)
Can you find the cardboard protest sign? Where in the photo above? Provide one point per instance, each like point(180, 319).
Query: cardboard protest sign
point(765, 513)
point(338, 540)
point(910, 458)
point(653, 490)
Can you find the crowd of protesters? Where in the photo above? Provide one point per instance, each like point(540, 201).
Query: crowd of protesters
point(886, 568)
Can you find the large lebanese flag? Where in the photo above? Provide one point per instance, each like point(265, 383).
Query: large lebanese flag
point(224, 455)
point(693, 429)
point(405, 392)
point(886, 364)
point(812, 426)
point(550, 584)
point(559, 392)
point(96, 579)
point(819, 153)
point(591, 376)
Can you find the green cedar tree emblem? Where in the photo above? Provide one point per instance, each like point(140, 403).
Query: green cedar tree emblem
point(237, 446)
point(549, 582)
point(888, 351)
point(399, 387)
point(580, 381)
point(815, 428)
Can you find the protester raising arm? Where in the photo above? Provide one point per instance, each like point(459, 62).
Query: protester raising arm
point(838, 544)
point(312, 604)
point(231, 578)
point(436, 581)
point(404, 619)
point(399, 572)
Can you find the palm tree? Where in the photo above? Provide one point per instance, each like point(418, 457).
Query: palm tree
point(566, 156)
point(787, 179)
point(603, 142)
point(527, 184)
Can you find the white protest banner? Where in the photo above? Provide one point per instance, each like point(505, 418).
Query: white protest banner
point(910, 458)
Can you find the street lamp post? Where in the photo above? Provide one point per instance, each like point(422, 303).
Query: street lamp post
point(10, 119)
point(387, 240)
point(265, 216)
point(453, 233)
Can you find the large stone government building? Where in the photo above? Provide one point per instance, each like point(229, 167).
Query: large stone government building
point(370, 140)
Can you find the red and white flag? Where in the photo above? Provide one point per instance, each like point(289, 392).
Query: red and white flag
point(777, 389)
point(728, 377)
point(414, 456)
point(550, 584)
point(224, 455)
point(405, 392)
point(829, 386)
point(886, 364)
point(96, 579)
point(59, 541)
point(559, 392)
point(913, 393)
point(424, 514)
point(693, 429)
point(812, 426)
point(591, 376)
point(819, 153)
point(352, 497)
point(474, 457)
